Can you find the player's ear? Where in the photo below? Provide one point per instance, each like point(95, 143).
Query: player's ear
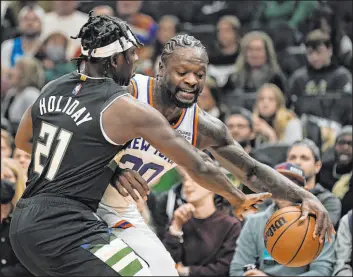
point(114, 60)
point(160, 68)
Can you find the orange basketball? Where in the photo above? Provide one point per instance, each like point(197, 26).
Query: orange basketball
point(288, 242)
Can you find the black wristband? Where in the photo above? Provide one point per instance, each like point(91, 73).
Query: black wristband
point(117, 171)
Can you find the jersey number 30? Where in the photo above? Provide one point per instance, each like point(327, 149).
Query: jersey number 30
point(51, 133)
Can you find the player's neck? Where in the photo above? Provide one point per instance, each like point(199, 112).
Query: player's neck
point(92, 71)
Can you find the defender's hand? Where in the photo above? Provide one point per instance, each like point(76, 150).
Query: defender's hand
point(323, 222)
point(128, 181)
point(247, 205)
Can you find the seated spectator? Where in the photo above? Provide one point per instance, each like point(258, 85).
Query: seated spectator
point(23, 158)
point(273, 122)
point(224, 52)
point(14, 173)
point(67, 20)
point(325, 19)
point(26, 80)
point(53, 56)
point(167, 29)
point(145, 29)
point(240, 125)
point(257, 64)
point(343, 247)
point(336, 172)
point(209, 100)
point(321, 75)
point(198, 225)
point(251, 249)
point(6, 144)
point(10, 265)
point(306, 154)
point(30, 24)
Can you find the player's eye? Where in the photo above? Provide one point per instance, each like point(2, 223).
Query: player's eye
point(200, 76)
point(181, 73)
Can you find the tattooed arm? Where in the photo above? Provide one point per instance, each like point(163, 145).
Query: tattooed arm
point(214, 136)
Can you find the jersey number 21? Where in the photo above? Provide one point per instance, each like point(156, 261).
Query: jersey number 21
point(52, 133)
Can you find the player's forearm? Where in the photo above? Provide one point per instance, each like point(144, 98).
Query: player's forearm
point(210, 177)
point(257, 176)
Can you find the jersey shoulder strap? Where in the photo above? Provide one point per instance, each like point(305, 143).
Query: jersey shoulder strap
point(143, 88)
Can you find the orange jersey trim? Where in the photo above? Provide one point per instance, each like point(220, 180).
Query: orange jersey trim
point(134, 85)
point(196, 126)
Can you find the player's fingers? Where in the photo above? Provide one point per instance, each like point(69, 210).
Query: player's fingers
point(261, 196)
point(319, 224)
point(305, 213)
point(126, 184)
point(136, 185)
point(121, 189)
point(142, 181)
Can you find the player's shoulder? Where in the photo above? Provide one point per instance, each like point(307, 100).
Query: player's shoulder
point(140, 78)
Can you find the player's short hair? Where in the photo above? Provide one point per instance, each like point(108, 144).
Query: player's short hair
point(180, 41)
point(102, 30)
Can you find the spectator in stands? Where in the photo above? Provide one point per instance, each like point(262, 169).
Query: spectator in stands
point(103, 9)
point(321, 75)
point(257, 64)
point(209, 100)
point(293, 12)
point(10, 265)
point(343, 247)
point(272, 120)
point(53, 57)
point(23, 158)
point(199, 225)
point(167, 28)
point(240, 125)
point(30, 24)
point(336, 172)
point(6, 144)
point(145, 29)
point(225, 50)
point(325, 19)
point(306, 154)
point(251, 249)
point(14, 173)
point(26, 80)
point(67, 20)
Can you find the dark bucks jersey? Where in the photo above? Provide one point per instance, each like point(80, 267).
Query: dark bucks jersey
point(70, 149)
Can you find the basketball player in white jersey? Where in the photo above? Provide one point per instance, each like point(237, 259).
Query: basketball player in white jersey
point(174, 93)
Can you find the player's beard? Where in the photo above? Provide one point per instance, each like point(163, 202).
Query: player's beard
point(169, 96)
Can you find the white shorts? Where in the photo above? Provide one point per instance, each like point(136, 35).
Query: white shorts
point(140, 238)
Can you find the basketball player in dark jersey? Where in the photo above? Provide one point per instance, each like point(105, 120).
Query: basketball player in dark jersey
point(180, 80)
point(73, 130)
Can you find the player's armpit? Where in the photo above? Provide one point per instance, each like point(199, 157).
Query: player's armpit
point(24, 132)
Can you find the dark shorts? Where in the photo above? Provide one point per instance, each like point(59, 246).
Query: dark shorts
point(53, 236)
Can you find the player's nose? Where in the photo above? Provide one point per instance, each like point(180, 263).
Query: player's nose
point(190, 79)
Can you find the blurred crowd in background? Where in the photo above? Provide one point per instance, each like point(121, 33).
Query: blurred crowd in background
point(279, 77)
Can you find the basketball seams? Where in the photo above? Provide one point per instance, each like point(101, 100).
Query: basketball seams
point(278, 216)
point(304, 238)
point(283, 233)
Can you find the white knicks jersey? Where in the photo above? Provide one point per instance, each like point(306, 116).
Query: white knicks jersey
point(142, 156)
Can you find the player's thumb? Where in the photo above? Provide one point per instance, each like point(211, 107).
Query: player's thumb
point(305, 213)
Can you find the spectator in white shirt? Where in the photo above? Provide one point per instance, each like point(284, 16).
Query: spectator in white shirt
point(67, 20)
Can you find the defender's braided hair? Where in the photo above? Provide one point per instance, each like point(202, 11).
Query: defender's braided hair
point(99, 31)
point(180, 41)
